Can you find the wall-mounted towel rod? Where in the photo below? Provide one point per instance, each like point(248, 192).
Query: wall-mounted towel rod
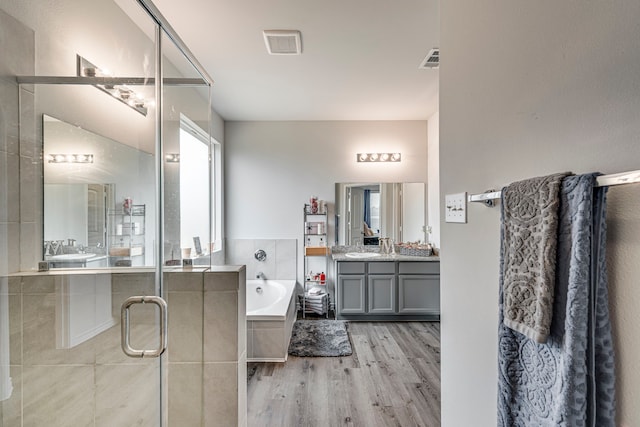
point(601, 181)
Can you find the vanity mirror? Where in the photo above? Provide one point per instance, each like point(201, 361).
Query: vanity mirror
point(365, 212)
point(87, 179)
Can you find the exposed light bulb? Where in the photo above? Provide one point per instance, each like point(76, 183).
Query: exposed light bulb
point(172, 158)
point(120, 92)
point(378, 157)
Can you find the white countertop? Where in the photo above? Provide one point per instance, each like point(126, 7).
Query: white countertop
point(385, 258)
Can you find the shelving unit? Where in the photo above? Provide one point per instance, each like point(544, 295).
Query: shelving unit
point(126, 235)
point(315, 298)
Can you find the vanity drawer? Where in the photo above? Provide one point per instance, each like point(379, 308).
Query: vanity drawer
point(382, 267)
point(349, 267)
point(425, 267)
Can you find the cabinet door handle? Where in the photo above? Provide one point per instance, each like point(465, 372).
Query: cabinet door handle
point(125, 326)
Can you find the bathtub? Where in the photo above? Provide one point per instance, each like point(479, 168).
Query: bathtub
point(271, 312)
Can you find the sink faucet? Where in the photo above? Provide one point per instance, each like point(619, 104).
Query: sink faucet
point(261, 275)
point(47, 247)
point(55, 247)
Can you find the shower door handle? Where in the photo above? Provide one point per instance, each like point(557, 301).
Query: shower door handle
point(125, 326)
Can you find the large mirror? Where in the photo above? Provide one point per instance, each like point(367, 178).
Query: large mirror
point(365, 212)
point(99, 198)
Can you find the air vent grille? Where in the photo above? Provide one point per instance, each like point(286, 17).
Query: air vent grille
point(432, 59)
point(283, 42)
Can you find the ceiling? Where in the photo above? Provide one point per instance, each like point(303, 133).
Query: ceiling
point(359, 58)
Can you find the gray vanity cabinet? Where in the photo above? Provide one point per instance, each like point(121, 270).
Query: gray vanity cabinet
point(418, 288)
point(352, 295)
point(388, 290)
point(418, 295)
point(351, 288)
point(381, 288)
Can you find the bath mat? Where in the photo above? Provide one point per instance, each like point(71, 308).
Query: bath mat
point(320, 338)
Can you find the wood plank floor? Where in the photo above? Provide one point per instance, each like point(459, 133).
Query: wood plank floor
point(392, 379)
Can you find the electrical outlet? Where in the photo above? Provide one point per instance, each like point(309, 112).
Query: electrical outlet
point(455, 208)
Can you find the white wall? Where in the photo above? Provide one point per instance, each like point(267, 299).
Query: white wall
point(433, 178)
point(530, 88)
point(273, 168)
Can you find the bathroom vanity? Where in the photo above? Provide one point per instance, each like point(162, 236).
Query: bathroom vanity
point(387, 287)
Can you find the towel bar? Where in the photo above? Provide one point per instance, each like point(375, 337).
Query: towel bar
point(621, 178)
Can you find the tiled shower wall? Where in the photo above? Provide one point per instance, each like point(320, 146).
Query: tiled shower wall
point(93, 383)
point(20, 153)
point(281, 261)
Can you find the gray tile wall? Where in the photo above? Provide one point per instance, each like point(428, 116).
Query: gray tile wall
point(16, 108)
point(96, 384)
point(20, 163)
point(281, 261)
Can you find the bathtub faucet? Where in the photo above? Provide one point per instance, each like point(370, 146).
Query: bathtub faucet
point(261, 275)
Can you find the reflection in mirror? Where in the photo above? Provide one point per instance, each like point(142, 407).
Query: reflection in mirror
point(99, 213)
point(366, 212)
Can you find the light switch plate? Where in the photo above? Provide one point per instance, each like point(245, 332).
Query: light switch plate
point(455, 208)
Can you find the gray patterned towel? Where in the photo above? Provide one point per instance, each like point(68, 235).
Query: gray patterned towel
point(569, 381)
point(530, 223)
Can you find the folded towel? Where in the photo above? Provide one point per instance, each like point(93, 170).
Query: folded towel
point(569, 380)
point(315, 307)
point(530, 224)
point(318, 304)
point(314, 310)
point(315, 297)
point(315, 303)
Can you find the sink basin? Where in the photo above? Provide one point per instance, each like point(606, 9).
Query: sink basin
point(72, 257)
point(362, 254)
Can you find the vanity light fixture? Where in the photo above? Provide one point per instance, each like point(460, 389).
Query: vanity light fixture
point(121, 92)
point(70, 158)
point(172, 158)
point(378, 157)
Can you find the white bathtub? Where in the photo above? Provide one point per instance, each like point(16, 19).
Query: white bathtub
point(269, 299)
point(271, 311)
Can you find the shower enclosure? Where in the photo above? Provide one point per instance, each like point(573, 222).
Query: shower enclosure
point(94, 99)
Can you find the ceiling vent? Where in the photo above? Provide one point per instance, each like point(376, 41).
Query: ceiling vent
point(432, 60)
point(283, 42)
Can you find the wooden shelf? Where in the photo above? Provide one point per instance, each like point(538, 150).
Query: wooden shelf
point(126, 251)
point(316, 251)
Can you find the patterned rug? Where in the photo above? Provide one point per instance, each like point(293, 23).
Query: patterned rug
point(320, 338)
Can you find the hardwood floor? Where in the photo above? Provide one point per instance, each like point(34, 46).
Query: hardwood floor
point(392, 379)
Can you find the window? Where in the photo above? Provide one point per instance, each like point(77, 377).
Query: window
point(200, 188)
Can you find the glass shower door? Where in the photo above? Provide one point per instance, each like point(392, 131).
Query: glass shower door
point(67, 364)
point(97, 96)
point(90, 66)
point(187, 234)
